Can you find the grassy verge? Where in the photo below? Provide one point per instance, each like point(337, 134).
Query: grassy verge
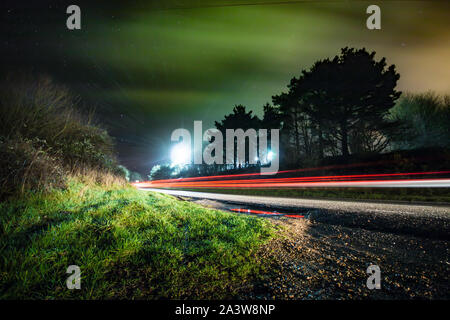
point(396, 194)
point(127, 243)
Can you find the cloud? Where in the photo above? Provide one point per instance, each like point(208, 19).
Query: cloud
point(150, 69)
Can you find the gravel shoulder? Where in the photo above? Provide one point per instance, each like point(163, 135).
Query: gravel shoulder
point(326, 254)
point(316, 260)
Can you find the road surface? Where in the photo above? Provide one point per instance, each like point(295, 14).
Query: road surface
point(325, 255)
point(425, 220)
point(428, 210)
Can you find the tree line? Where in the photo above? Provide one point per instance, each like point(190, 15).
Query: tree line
point(339, 107)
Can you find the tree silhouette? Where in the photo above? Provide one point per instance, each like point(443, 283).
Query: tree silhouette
point(336, 98)
point(159, 172)
point(272, 118)
point(364, 91)
point(238, 119)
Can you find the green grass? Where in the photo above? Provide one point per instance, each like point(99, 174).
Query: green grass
point(128, 244)
point(396, 194)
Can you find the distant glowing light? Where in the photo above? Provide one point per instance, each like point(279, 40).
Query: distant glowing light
point(270, 156)
point(180, 154)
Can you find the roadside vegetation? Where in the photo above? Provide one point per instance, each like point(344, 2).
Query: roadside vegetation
point(44, 138)
point(424, 121)
point(127, 243)
point(65, 200)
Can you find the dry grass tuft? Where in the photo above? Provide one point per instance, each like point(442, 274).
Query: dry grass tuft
point(44, 138)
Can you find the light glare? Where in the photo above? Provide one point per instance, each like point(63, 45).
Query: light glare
point(180, 154)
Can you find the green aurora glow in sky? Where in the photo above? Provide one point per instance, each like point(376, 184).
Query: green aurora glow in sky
point(150, 68)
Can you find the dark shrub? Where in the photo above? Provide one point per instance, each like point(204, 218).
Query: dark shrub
point(25, 165)
point(424, 121)
point(43, 134)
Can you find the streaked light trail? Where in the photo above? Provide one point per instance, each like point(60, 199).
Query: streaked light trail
point(289, 215)
point(384, 180)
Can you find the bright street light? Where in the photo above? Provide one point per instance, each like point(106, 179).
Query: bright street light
point(180, 154)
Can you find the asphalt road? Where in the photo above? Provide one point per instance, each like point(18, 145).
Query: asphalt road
point(423, 220)
point(428, 210)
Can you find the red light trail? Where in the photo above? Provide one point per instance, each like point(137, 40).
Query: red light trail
point(359, 180)
point(290, 215)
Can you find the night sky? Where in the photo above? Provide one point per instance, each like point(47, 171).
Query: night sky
point(150, 67)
